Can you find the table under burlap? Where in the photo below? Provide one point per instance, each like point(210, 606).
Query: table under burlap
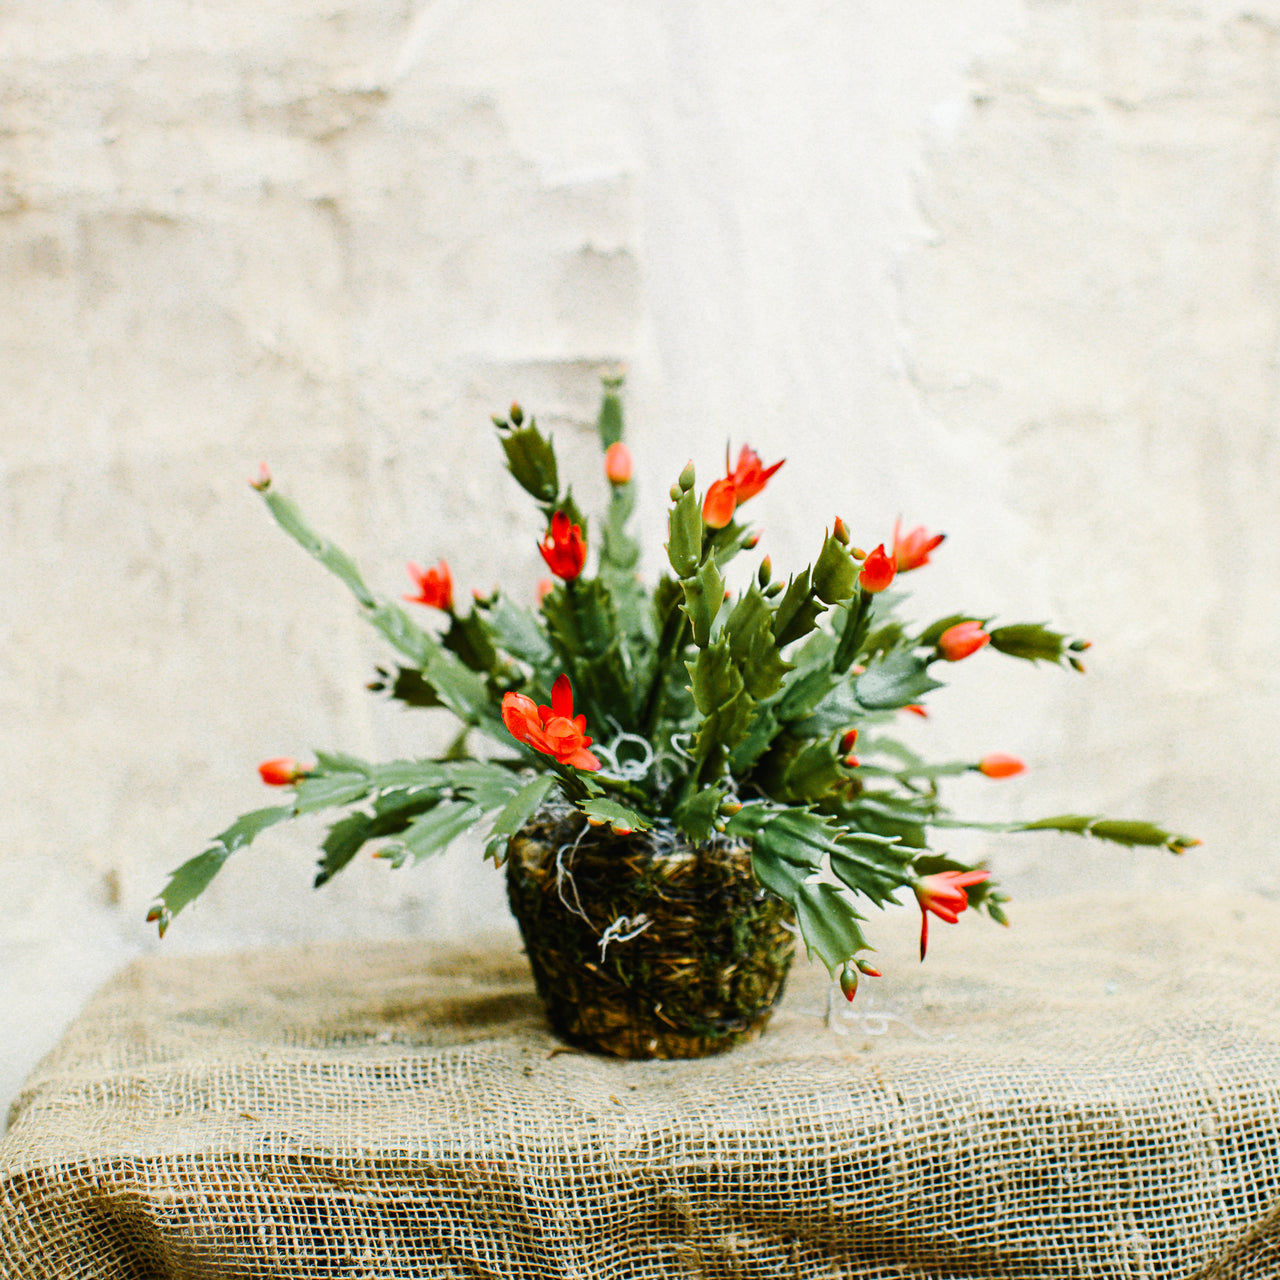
point(1093, 1093)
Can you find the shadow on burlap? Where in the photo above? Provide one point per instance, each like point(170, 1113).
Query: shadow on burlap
point(1093, 1093)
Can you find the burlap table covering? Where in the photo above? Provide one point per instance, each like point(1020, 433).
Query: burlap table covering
point(1093, 1093)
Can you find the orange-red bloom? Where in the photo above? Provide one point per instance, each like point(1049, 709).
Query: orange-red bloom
point(563, 548)
point(961, 640)
point(281, 772)
point(877, 571)
point(750, 475)
point(617, 463)
point(435, 586)
point(944, 895)
point(718, 506)
point(998, 765)
point(911, 550)
point(553, 730)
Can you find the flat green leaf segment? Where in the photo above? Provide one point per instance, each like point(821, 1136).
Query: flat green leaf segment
point(793, 849)
point(192, 878)
point(1117, 831)
point(718, 698)
point(418, 807)
point(463, 691)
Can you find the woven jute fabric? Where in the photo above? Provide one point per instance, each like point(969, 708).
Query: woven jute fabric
point(1092, 1093)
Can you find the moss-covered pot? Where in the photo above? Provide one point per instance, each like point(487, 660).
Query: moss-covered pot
point(642, 945)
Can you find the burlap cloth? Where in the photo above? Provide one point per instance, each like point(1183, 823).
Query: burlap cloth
point(1093, 1093)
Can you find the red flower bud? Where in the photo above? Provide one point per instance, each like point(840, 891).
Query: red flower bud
point(916, 710)
point(617, 463)
point(281, 772)
point(961, 640)
point(719, 504)
point(544, 588)
point(263, 482)
point(877, 571)
point(847, 741)
point(849, 980)
point(998, 765)
point(840, 532)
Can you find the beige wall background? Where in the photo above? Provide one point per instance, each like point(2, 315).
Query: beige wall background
point(1004, 267)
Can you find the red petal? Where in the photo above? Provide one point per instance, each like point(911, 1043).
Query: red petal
point(562, 698)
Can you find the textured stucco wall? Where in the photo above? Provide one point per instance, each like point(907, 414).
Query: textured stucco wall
point(1006, 267)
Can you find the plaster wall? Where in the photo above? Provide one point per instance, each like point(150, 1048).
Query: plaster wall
point(1007, 268)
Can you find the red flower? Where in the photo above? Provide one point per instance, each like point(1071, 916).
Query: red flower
point(961, 640)
point(435, 586)
point(911, 550)
point(563, 548)
point(718, 506)
point(998, 765)
point(750, 475)
point(553, 730)
point(617, 463)
point(944, 895)
point(877, 571)
point(281, 772)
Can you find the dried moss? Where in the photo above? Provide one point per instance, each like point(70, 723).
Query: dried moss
point(642, 945)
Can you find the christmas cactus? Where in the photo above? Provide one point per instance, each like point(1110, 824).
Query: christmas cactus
point(762, 713)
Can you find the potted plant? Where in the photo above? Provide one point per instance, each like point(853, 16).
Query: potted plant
point(680, 777)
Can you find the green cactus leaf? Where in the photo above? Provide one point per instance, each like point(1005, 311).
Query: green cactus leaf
point(874, 866)
point(325, 790)
point(829, 924)
point(703, 596)
point(797, 611)
point(1032, 641)
point(749, 628)
point(684, 525)
point(531, 459)
point(515, 813)
point(853, 631)
point(188, 881)
point(290, 518)
point(894, 681)
point(835, 572)
point(435, 830)
point(620, 817)
point(697, 815)
point(609, 420)
point(777, 874)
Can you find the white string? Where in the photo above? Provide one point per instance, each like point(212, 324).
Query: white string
point(564, 875)
point(631, 770)
point(614, 932)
